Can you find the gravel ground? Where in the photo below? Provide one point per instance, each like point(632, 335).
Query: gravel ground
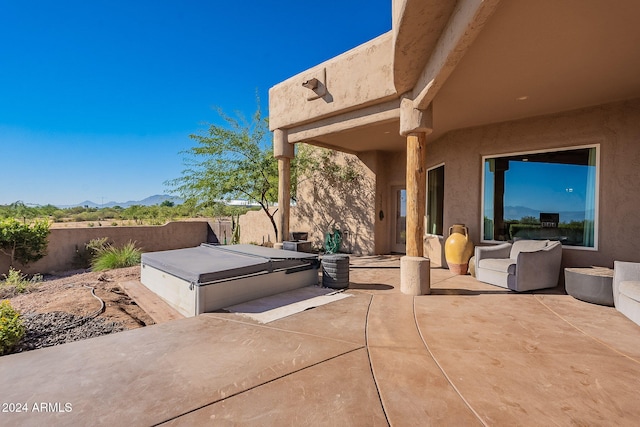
point(48, 329)
point(76, 305)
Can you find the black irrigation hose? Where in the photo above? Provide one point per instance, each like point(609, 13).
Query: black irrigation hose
point(82, 319)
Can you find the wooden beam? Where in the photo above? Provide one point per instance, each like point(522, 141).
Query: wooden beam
point(416, 193)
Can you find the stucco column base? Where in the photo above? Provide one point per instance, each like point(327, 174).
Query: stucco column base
point(415, 275)
point(278, 245)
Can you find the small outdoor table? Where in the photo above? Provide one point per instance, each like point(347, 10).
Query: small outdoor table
point(590, 284)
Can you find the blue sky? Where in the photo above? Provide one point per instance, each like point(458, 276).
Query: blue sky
point(554, 187)
point(97, 98)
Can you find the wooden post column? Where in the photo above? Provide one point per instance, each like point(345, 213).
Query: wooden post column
point(416, 193)
point(284, 152)
point(284, 197)
point(415, 124)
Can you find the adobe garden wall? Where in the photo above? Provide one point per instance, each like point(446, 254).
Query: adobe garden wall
point(63, 242)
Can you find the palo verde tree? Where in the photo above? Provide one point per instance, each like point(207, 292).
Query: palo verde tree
point(234, 161)
point(23, 242)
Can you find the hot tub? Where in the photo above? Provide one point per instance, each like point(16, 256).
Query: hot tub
point(207, 278)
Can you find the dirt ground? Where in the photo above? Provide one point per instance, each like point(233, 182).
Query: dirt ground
point(70, 292)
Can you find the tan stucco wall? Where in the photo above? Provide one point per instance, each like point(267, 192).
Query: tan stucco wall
point(616, 127)
point(323, 205)
point(358, 77)
point(63, 242)
point(356, 208)
point(256, 228)
point(417, 28)
point(376, 162)
point(390, 173)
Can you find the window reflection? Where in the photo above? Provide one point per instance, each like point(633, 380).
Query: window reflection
point(435, 200)
point(401, 217)
point(541, 196)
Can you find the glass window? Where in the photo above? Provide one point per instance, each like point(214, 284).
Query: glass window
point(549, 195)
point(401, 216)
point(435, 200)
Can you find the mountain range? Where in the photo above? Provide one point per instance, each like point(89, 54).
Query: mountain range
point(149, 201)
point(518, 212)
point(510, 212)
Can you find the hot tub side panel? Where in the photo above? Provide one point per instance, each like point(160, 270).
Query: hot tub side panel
point(219, 295)
point(173, 290)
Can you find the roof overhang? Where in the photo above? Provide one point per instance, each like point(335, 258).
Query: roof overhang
point(491, 62)
point(542, 57)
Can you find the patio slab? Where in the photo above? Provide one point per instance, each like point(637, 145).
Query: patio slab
point(149, 375)
point(340, 392)
point(342, 320)
point(602, 323)
point(526, 359)
point(412, 387)
point(468, 354)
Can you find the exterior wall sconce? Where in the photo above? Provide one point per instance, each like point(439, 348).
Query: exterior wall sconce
point(319, 87)
point(311, 84)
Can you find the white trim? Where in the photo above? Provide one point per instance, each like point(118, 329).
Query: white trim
point(596, 219)
point(435, 167)
point(426, 203)
point(543, 150)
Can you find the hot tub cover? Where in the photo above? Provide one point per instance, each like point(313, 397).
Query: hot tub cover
point(208, 263)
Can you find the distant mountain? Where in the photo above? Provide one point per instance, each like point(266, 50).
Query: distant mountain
point(149, 201)
point(518, 212)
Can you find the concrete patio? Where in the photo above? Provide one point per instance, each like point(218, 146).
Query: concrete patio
point(468, 354)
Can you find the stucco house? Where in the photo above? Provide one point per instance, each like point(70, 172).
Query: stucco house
point(515, 117)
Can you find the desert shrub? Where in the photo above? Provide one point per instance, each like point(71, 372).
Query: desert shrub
point(95, 246)
point(111, 257)
point(83, 257)
point(11, 328)
point(88, 216)
point(17, 283)
point(23, 242)
point(110, 213)
point(59, 215)
point(235, 230)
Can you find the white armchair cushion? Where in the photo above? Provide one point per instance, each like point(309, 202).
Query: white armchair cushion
point(631, 289)
point(626, 289)
point(527, 246)
point(503, 265)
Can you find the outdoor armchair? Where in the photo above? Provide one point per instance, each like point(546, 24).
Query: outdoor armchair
point(522, 266)
point(626, 289)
